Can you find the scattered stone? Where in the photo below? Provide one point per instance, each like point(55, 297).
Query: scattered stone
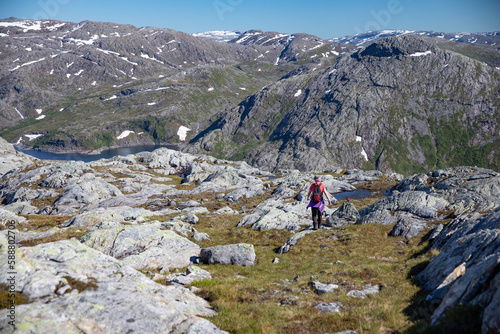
point(293, 241)
point(276, 260)
point(408, 227)
point(368, 290)
point(333, 307)
point(321, 288)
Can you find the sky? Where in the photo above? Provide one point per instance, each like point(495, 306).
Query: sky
point(323, 18)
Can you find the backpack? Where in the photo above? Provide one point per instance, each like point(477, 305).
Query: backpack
point(317, 193)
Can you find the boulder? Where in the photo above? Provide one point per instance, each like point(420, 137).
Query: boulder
point(418, 203)
point(345, 215)
point(408, 226)
point(236, 254)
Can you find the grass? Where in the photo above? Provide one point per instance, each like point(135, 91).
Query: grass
point(250, 299)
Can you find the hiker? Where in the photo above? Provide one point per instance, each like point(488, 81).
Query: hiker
point(317, 203)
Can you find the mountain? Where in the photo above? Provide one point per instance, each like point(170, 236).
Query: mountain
point(402, 103)
point(362, 39)
point(219, 35)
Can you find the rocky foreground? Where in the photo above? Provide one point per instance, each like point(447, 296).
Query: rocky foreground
point(118, 206)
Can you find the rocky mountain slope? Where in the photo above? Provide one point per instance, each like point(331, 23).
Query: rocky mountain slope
point(82, 85)
point(404, 104)
point(94, 236)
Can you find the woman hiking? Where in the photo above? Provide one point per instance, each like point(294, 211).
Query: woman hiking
point(317, 203)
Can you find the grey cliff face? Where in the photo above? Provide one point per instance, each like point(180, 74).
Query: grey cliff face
point(402, 104)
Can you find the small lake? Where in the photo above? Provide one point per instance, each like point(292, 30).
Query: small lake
point(356, 194)
point(106, 154)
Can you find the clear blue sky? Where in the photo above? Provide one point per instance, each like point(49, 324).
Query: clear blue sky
point(323, 18)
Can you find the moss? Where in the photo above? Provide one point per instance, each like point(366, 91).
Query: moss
point(7, 298)
point(79, 285)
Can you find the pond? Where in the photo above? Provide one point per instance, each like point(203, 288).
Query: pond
point(356, 194)
point(106, 154)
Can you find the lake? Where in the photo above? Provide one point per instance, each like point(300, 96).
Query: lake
point(106, 154)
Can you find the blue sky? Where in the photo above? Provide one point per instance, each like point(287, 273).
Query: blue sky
point(323, 18)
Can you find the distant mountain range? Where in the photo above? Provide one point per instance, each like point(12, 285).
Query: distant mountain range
point(392, 100)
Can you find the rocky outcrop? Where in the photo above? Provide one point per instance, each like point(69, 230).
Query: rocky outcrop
point(143, 246)
point(11, 159)
point(337, 115)
point(94, 292)
point(466, 271)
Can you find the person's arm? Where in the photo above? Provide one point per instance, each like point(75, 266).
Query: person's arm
point(327, 196)
point(309, 194)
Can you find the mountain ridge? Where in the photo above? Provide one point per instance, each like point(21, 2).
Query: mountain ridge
point(91, 85)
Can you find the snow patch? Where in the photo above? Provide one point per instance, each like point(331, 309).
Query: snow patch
point(420, 54)
point(182, 133)
point(358, 138)
point(125, 134)
point(363, 153)
point(297, 94)
point(210, 89)
point(31, 137)
point(39, 111)
point(151, 103)
point(19, 113)
point(111, 98)
point(40, 117)
point(79, 72)
point(26, 64)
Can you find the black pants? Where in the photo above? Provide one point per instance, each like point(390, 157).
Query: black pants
point(316, 217)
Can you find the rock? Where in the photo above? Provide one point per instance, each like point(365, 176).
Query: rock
point(21, 208)
point(408, 227)
point(333, 307)
point(10, 159)
point(225, 211)
point(292, 241)
point(166, 158)
point(99, 294)
point(321, 288)
point(88, 219)
point(142, 246)
point(8, 217)
point(88, 190)
point(466, 269)
point(192, 219)
point(368, 290)
point(345, 215)
point(236, 254)
point(417, 203)
point(273, 218)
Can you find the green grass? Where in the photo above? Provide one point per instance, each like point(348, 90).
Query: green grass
point(247, 298)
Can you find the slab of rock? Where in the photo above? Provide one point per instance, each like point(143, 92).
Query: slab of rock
point(236, 254)
point(466, 271)
point(143, 246)
point(88, 219)
point(77, 288)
